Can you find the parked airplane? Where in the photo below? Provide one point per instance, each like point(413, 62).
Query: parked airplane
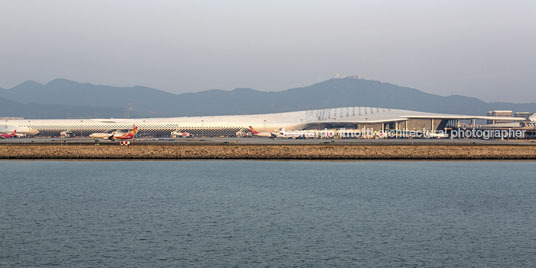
point(126, 136)
point(8, 135)
point(179, 134)
point(283, 133)
point(106, 136)
point(292, 134)
point(262, 134)
point(437, 135)
point(66, 134)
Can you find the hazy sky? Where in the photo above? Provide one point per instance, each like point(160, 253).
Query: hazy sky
point(470, 47)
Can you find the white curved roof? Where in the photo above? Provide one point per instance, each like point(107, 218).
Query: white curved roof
point(266, 122)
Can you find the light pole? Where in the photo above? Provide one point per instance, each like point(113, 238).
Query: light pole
point(202, 129)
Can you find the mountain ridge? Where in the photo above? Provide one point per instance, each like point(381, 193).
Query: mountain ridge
point(335, 92)
point(10, 108)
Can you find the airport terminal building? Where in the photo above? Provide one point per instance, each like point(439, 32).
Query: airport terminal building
point(332, 118)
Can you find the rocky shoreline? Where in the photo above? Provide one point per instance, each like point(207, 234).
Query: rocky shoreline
point(317, 151)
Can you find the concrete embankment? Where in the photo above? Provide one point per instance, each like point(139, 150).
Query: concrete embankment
point(34, 151)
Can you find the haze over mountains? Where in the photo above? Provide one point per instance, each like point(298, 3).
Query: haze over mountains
point(63, 98)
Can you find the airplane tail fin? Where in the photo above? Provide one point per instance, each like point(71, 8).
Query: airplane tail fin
point(253, 130)
point(134, 130)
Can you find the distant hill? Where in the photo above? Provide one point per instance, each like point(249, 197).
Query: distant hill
point(331, 93)
point(10, 108)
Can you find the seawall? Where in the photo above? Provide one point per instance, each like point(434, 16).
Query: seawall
point(317, 151)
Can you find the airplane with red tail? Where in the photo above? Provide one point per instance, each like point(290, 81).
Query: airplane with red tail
point(126, 136)
point(8, 135)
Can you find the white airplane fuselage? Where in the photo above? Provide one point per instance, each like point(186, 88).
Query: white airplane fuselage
point(106, 136)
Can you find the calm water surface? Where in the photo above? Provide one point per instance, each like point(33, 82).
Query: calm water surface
point(266, 213)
